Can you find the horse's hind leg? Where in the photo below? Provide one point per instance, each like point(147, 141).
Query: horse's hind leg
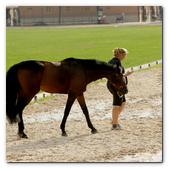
point(22, 102)
point(82, 103)
point(21, 133)
point(70, 101)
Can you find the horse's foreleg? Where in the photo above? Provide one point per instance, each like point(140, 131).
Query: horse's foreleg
point(82, 103)
point(70, 101)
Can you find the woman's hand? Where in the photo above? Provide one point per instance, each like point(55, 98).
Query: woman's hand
point(127, 74)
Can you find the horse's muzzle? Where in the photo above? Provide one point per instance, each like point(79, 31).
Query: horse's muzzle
point(123, 90)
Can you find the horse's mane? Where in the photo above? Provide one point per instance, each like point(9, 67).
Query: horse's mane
point(93, 64)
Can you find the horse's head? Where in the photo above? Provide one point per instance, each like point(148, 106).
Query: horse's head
point(117, 79)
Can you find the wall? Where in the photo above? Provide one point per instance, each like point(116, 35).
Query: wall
point(55, 15)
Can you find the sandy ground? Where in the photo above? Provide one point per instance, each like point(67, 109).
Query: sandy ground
point(139, 140)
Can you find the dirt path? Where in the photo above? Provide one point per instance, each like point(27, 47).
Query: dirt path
point(139, 140)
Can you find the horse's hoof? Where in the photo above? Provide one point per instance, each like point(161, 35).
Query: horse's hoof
point(94, 131)
point(64, 134)
point(24, 136)
point(18, 136)
point(21, 135)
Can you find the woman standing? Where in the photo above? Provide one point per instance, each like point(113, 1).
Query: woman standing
point(118, 101)
point(104, 18)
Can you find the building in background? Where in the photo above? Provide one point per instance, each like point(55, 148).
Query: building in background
point(68, 15)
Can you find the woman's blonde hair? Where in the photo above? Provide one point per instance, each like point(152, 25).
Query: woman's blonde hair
point(117, 51)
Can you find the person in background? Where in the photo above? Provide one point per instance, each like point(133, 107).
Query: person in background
point(117, 18)
point(118, 101)
point(8, 22)
point(99, 19)
point(122, 17)
point(104, 18)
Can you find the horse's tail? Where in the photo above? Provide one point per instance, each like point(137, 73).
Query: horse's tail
point(12, 87)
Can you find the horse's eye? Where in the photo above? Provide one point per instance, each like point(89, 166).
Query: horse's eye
point(117, 75)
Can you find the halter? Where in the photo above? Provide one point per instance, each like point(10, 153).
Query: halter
point(118, 92)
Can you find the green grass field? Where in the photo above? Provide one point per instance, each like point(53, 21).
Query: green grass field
point(144, 44)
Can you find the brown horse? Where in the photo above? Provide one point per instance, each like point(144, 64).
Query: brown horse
point(70, 76)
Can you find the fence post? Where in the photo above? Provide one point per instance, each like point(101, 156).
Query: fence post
point(73, 14)
point(59, 14)
point(35, 98)
point(42, 13)
point(53, 15)
point(82, 13)
point(33, 15)
point(24, 14)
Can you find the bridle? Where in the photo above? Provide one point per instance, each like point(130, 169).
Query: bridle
point(118, 92)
